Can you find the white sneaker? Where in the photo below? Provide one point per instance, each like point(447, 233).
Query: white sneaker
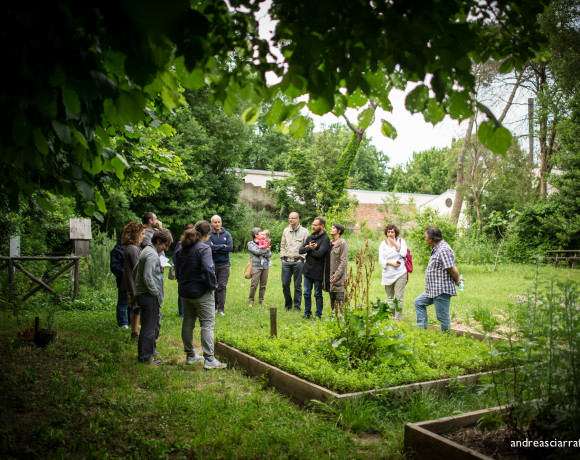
point(221, 313)
point(125, 327)
point(193, 359)
point(215, 364)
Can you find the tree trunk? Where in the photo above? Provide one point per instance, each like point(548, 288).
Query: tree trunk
point(458, 202)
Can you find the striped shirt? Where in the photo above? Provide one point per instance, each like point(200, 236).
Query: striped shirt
point(437, 279)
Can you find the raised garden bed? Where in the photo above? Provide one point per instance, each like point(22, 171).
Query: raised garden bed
point(294, 363)
point(426, 440)
point(303, 391)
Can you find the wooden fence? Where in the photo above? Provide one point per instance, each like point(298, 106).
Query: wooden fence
point(71, 262)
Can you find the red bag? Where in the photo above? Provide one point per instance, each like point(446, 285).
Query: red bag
point(408, 261)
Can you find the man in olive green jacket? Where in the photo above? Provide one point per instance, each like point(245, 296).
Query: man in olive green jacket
point(293, 238)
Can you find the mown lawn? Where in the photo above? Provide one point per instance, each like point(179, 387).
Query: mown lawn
point(86, 395)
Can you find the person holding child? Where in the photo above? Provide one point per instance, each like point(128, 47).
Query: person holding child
point(260, 255)
point(264, 242)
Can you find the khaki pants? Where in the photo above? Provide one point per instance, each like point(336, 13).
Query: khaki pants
point(397, 290)
point(258, 276)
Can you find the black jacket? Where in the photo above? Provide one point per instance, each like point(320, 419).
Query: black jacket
point(117, 263)
point(314, 263)
point(195, 271)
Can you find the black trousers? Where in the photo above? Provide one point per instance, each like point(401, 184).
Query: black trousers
point(150, 326)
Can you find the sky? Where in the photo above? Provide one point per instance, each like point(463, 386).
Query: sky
point(413, 133)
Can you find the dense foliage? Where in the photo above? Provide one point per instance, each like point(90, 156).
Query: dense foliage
point(107, 68)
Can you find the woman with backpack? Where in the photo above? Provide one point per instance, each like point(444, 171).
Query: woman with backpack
point(392, 254)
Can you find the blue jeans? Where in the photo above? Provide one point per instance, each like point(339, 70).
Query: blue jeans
point(441, 303)
point(122, 308)
point(308, 283)
point(289, 270)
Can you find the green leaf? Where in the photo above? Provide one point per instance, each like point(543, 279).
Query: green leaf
point(433, 113)
point(507, 66)
point(357, 99)
point(40, 141)
point(100, 202)
point(80, 138)
point(459, 106)
point(63, 131)
point(366, 118)
point(496, 139)
point(119, 166)
point(44, 203)
point(388, 130)
point(299, 127)
point(71, 99)
point(417, 99)
point(130, 105)
point(250, 115)
point(321, 105)
point(277, 113)
point(86, 191)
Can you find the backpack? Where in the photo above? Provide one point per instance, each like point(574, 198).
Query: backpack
point(408, 261)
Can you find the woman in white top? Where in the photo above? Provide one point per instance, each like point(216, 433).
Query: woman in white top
point(392, 253)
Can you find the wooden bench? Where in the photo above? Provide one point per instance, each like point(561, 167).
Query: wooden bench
point(566, 255)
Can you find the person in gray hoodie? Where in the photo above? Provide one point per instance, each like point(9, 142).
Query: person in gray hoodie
point(148, 275)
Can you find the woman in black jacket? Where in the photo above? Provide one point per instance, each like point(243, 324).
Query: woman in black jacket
point(195, 271)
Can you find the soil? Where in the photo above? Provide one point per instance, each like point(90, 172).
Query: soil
point(497, 444)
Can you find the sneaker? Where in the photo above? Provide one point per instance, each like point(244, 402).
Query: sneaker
point(306, 317)
point(221, 313)
point(157, 362)
point(215, 364)
point(193, 359)
point(251, 304)
point(125, 327)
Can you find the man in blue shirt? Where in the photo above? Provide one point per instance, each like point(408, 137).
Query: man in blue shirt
point(441, 278)
point(221, 245)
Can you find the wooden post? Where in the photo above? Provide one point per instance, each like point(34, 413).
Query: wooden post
point(11, 279)
point(273, 322)
point(77, 279)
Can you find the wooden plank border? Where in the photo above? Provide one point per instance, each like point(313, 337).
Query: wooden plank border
point(424, 440)
point(303, 391)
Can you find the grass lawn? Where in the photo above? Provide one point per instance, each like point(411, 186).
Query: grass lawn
point(86, 395)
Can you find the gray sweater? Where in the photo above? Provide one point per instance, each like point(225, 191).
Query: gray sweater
point(255, 253)
point(148, 274)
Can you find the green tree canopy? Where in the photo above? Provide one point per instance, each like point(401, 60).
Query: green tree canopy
point(77, 74)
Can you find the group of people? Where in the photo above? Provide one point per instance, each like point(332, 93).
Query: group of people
point(314, 257)
point(202, 268)
point(201, 261)
point(321, 262)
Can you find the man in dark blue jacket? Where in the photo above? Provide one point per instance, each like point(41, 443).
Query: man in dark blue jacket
point(221, 245)
point(315, 248)
point(122, 302)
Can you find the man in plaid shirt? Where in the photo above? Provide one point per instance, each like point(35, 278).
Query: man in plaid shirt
point(441, 277)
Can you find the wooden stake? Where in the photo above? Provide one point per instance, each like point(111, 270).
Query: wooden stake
point(273, 322)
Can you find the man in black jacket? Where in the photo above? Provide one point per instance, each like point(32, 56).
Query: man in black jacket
point(315, 248)
point(122, 302)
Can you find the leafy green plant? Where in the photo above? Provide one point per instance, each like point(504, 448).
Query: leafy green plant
point(363, 331)
point(543, 384)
